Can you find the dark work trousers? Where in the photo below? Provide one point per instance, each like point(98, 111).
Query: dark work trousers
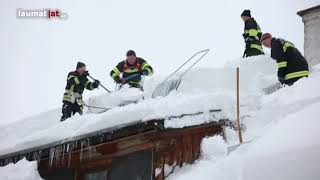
point(69, 109)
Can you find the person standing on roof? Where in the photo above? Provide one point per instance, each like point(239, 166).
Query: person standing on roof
point(251, 35)
point(291, 64)
point(77, 81)
point(130, 70)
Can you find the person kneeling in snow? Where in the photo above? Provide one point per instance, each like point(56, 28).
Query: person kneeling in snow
point(131, 69)
point(72, 98)
point(291, 64)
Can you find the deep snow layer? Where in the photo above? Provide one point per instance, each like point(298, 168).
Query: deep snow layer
point(201, 90)
point(282, 128)
point(283, 135)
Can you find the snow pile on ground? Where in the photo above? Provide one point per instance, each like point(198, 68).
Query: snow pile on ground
point(22, 170)
point(282, 135)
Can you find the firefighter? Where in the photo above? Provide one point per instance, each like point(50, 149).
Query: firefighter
point(291, 64)
point(131, 69)
point(251, 35)
point(72, 98)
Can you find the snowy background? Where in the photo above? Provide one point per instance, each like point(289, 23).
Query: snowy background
point(36, 55)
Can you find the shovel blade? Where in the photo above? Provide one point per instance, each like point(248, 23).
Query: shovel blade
point(166, 87)
point(272, 88)
point(235, 147)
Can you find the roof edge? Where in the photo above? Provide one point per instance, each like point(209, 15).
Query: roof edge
point(305, 11)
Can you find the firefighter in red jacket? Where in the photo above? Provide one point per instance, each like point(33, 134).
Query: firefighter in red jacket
point(291, 64)
point(131, 70)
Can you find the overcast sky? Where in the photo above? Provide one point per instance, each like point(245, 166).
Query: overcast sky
point(37, 54)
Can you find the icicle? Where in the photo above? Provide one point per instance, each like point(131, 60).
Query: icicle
point(68, 147)
point(81, 147)
point(69, 159)
point(34, 156)
point(57, 154)
point(51, 156)
point(63, 150)
point(89, 148)
point(60, 152)
point(39, 157)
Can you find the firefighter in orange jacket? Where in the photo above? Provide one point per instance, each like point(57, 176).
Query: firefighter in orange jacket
point(131, 69)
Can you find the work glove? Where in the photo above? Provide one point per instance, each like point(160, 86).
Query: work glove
point(119, 80)
point(250, 39)
point(95, 84)
point(143, 72)
point(86, 73)
point(281, 80)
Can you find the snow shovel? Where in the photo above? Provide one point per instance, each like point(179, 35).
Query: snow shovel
point(171, 83)
point(273, 88)
point(100, 85)
point(234, 147)
point(119, 86)
point(164, 88)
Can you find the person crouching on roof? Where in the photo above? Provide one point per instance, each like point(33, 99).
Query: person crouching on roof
point(291, 64)
point(130, 70)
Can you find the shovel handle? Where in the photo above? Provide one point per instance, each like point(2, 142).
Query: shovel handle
point(100, 85)
point(238, 106)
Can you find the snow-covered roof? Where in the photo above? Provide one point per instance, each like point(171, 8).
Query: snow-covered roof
point(194, 95)
point(281, 136)
point(281, 140)
point(106, 135)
